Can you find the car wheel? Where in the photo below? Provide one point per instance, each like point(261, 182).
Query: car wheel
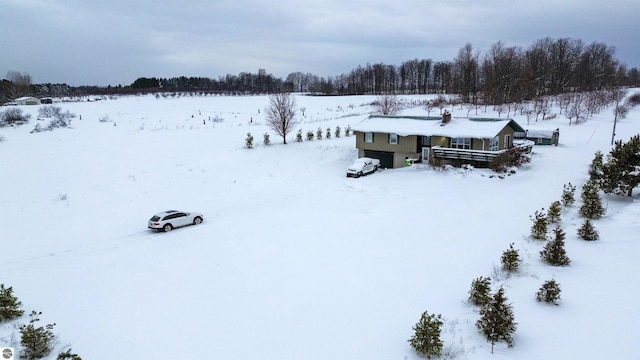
point(359, 174)
point(197, 220)
point(167, 227)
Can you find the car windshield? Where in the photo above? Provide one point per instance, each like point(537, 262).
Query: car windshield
point(155, 218)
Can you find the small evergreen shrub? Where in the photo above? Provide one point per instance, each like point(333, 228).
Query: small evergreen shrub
point(497, 321)
point(338, 131)
point(554, 252)
point(248, 142)
point(37, 342)
point(480, 292)
point(426, 339)
point(511, 259)
point(347, 131)
point(9, 304)
point(267, 139)
point(568, 195)
point(554, 212)
point(309, 135)
point(591, 202)
point(549, 292)
point(539, 227)
point(595, 168)
point(588, 232)
point(299, 136)
point(68, 355)
point(328, 133)
point(319, 134)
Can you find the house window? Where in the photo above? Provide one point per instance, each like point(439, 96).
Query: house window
point(368, 137)
point(461, 143)
point(393, 139)
point(494, 145)
point(507, 141)
point(426, 141)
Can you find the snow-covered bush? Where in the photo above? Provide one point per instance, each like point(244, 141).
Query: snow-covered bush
point(309, 135)
point(319, 134)
point(338, 131)
point(299, 136)
point(511, 157)
point(266, 139)
point(328, 133)
point(13, 116)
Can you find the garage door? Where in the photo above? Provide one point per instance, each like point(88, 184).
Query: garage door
point(386, 158)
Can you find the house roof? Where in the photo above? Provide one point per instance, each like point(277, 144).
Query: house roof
point(484, 128)
point(26, 98)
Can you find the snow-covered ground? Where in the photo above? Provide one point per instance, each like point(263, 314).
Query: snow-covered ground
point(294, 259)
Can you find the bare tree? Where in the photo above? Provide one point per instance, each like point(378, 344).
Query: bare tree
point(387, 105)
point(20, 83)
point(281, 114)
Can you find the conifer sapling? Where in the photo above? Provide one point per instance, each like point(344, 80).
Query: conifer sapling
point(568, 194)
point(554, 212)
point(497, 321)
point(587, 231)
point(510, 259)
point(9, 304)
point(554, 252)
point(549, 292)
point(426, 339)
point(480, 292)
point(539, 227)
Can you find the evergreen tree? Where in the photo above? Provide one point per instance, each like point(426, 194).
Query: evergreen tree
point(568, 195)
point(319, 134)
point(9, 304)
point(347, 131)
point(595, 168)
point(539, 227)
point(249, 141)
point(480, 292)
point(328, 133)
point(497, 321)
point(554, 252)
point(309, 135)
point(267, 139)
point(587, 231)
point(426, 339)
point(37, 342)
point(68, 355)
point(554, 212)
point(338, 131)
point(591, 202)
point(549, 292)
point(299, 136)
point(621, 172)
point(511, 259)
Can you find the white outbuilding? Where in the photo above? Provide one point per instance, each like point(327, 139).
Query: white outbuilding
point(27, 100)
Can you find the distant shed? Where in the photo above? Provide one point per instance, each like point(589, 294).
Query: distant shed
point(541, 136)
point(27, 100)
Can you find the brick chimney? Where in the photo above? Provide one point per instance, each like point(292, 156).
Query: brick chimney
point(446, 117)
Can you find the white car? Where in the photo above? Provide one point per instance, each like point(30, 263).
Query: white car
point(171, 219)
point(363, 166)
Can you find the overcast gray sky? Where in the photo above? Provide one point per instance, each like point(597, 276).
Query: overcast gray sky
point(111, 42)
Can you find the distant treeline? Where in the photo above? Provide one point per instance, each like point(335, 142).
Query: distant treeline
point(500, 75)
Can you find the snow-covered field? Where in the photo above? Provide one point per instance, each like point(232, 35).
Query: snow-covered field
point(294, 260)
